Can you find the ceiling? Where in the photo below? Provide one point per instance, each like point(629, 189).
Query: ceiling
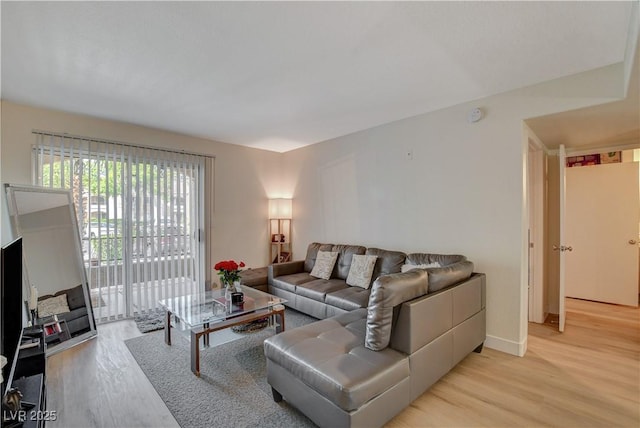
point(614, 124)
point(282, 75)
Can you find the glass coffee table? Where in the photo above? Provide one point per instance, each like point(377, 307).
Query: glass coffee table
point(210, 311)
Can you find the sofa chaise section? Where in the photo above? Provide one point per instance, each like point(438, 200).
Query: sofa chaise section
point(327, 371)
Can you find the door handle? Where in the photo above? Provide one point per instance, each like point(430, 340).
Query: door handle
point(633, 241)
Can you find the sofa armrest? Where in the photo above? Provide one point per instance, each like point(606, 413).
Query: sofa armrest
point(423, 320)
point(387, 292)
point(288, 268)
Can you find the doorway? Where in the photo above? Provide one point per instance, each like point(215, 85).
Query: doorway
point(543, 184)
point(565, 247)
point(536, 179)
point(602, 204)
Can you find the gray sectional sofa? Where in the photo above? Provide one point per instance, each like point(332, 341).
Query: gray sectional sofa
point(374, 350)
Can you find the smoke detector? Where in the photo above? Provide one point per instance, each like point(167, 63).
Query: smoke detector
point(474, 115)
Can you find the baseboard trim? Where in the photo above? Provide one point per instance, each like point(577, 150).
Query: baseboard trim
point(508, 346)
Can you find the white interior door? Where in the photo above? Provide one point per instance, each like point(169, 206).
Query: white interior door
point(561, 248)
point(602, 212)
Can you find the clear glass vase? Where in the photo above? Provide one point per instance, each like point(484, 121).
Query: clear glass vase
point(230, 286)
point(227, 296)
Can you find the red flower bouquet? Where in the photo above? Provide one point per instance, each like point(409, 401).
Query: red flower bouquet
point(229, 271)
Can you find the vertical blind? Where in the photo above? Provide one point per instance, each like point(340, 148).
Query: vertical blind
point(140, 214)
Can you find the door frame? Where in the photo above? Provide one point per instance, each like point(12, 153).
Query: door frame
point(536, 197)
point(532, 181)
point(562, 155)
point(534, 229)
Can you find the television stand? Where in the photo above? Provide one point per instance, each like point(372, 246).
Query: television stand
point(29, 378)
point(31, 359)
point(33, 402)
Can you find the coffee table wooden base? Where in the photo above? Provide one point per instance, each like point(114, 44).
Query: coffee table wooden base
point(206, 329)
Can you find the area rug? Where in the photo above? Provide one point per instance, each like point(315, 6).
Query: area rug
point(232, 390)
point(150, 321)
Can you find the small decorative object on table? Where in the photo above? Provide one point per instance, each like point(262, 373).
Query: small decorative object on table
point(12, 401)
point(229, 272)
point(237, 298)
point(33, 304)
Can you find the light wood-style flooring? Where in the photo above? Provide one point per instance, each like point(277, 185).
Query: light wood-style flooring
point(99, 384)
point(587, 376)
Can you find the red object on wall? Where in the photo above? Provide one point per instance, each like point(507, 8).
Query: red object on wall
point(583, 160)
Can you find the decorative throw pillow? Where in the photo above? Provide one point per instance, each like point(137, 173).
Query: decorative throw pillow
point(53, 306)
point(75, 297)
point(406, 268)
point(361, 270)
point(324, 264)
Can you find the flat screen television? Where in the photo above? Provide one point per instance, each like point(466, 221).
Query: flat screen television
point(12, 306)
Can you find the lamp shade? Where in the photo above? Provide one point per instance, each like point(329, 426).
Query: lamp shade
point(280, 208)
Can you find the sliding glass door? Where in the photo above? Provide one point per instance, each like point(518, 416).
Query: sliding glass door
point(139, 212)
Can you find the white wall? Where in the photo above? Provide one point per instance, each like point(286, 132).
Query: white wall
point(462, 192)
point(244, 177)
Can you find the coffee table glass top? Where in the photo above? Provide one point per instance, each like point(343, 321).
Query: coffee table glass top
point(211, 306)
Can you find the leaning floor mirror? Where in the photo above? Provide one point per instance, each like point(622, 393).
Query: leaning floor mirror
point(58, 290)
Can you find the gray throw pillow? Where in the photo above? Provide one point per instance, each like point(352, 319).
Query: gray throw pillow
point(389, 291)
point(361, 270)
point(75, 298)
point(324, 264)
point(53, 306)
